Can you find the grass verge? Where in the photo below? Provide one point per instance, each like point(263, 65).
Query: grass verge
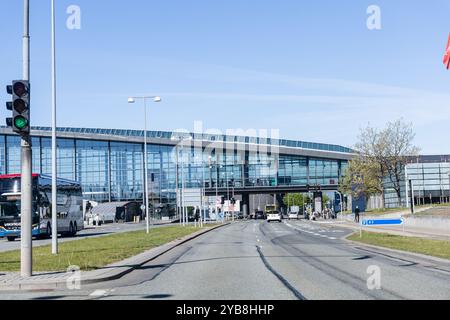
point(94, 253)
point(435, 248)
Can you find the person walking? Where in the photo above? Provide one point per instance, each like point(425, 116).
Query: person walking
point(357, 214)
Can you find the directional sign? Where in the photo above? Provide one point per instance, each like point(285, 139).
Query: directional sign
point(386, 222)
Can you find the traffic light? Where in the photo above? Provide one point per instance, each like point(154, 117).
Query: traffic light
point(9, 106)
point(20, 107)
point(233, 201)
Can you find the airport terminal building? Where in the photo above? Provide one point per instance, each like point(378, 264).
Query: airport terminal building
point(109, 163)
point(430, 177)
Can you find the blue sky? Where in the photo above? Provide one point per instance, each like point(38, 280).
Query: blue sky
point(311, 69)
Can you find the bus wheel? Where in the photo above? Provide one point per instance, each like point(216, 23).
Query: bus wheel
point(11, 239)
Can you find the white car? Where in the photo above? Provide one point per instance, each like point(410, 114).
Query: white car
point(274, 216)
point(293, 216)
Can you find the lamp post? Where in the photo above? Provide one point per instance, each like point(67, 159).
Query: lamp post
point(156, 99)
point(54, 145)
point(204, 191)
point(181, 139)
point(342, 203)
point(217, 180)
point(202, 204)
point(177, 186)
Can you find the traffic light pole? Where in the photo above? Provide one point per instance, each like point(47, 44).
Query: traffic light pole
point(26, 158)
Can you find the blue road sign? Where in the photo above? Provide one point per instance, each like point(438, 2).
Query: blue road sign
point(385, 222)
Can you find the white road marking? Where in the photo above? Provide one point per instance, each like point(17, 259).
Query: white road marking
point(99, 293)
point(315, 231)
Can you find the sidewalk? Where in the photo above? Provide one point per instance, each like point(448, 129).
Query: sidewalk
point(12, 281)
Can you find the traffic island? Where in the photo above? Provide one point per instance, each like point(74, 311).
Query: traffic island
point(94, 260)
point(427, 247)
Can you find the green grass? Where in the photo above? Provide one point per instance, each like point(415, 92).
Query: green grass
point(435, 248)
point(386, 210)
point(378, 211)
point(94, 253)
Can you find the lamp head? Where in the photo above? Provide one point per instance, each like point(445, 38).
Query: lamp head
point(131, 100)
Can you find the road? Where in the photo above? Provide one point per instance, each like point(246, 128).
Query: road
point(255, 260)
point(88, 232)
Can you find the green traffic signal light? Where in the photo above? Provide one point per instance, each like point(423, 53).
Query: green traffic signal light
point(20, 122)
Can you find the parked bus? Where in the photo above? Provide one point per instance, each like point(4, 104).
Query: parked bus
point(69, 206)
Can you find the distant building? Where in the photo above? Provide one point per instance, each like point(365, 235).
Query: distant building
point(430, 176)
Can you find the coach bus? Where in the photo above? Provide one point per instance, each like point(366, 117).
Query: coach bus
point(69, 206)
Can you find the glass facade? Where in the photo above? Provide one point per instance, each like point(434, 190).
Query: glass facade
point(113, 170)
point(126, 171)
point(431, 184)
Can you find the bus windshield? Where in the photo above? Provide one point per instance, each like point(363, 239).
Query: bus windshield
point(9, 186)
point(10, 198)
point(9, 209)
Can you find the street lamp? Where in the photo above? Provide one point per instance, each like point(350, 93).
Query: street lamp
point(54, 143)
point(342, 203)
point(181, 139)
point(216, 164)
point(203, 191)
point(156, 99)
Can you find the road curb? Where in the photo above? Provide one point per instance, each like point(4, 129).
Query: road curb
point(420, 258)
point(113, 271)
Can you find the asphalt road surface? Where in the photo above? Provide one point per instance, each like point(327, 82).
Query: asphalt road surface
point(255, 260)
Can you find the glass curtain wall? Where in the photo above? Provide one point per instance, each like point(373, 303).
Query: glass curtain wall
point(113, 171)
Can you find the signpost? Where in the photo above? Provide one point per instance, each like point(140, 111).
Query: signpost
point(381, 222)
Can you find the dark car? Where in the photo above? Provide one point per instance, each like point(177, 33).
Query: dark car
point(259, 215)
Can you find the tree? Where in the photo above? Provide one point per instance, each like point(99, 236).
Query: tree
point(295, 199)
point(299, 200)
point(381, 155)
point(369, 171)
point(400, 149)
point(325, 200)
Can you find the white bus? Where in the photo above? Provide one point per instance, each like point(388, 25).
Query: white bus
point(69, 206)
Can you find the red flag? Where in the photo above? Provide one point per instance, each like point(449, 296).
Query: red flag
point(447, 54)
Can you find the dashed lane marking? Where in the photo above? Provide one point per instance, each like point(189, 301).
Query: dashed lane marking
point(313, 232)
point(99, 293)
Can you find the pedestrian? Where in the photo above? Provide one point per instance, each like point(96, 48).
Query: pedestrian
point(357, 214)
point(197, 215)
